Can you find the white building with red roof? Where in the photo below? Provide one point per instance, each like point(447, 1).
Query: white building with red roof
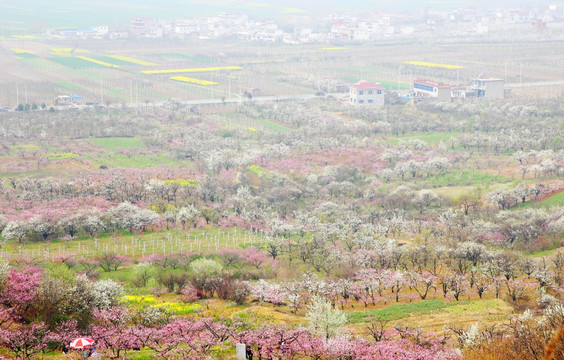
point(367, 93)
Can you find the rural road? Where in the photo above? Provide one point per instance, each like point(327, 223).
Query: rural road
point(537, 83)
point(226, 101)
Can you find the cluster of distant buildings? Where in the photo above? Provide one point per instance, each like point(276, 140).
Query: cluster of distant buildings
point(304, 28)
point(370, 93)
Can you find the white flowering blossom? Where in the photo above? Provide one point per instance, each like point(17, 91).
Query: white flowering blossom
point(471, 336)
point(106, 293)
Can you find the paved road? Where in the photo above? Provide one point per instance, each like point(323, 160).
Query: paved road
point(533, 84)
point(226, 101)
point(238, 100)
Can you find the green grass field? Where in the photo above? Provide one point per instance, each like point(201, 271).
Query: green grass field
point(390, 85)
point(272, 125)
point(114, 143)
point(396, 312)
point(76, 63)
point(41, 63)
point(69, 86)
point(553, 201)
point(135, 161)
point(26, 56)
point(556, 200)
point(113, 61)
point(203, 240)
point(402, 311)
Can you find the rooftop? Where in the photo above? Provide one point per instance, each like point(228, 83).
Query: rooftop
point(362, 84)
point(431, 83)
point(488, 79)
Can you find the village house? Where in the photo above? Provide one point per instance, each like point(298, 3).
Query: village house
point(367, 93)
point(490, 88)
point(431, 89)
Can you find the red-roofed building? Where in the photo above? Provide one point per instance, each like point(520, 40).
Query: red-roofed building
point(367, 93)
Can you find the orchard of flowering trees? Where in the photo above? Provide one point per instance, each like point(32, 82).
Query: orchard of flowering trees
point(330, 234)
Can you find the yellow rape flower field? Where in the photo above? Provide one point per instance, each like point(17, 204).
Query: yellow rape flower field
point(171, 71)
point(177, 308)
point(103, 63)
point(435, 65)
point(68, 51)
point(192, 80)
point(24, 36)
point(181, 182)
point(333, 48)
point(132, 60)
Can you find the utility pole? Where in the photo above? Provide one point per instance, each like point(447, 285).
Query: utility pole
point(229, 86)
point(211, 85)
point(101, 94)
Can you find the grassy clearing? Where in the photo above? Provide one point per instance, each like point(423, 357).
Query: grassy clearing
point(114, 143)
point(43, 64)
point(206, 239)
point(135, 161)
point(471, 307)
point(390, 85)
point(128, 61)
point(402, 311)
point(553, 201)
point(556, 200)
point(99, 62)
point(26, 56)
point(69, 86)
point(548, 252)
point(76, 63)
point(272, 125)
point(396, 312)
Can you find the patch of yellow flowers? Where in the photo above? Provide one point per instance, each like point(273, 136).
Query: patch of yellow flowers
point(434, 65)
point(175, 307)
point(192, 80)
point(132, 60)
point(171, 71)
point(103, 63)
